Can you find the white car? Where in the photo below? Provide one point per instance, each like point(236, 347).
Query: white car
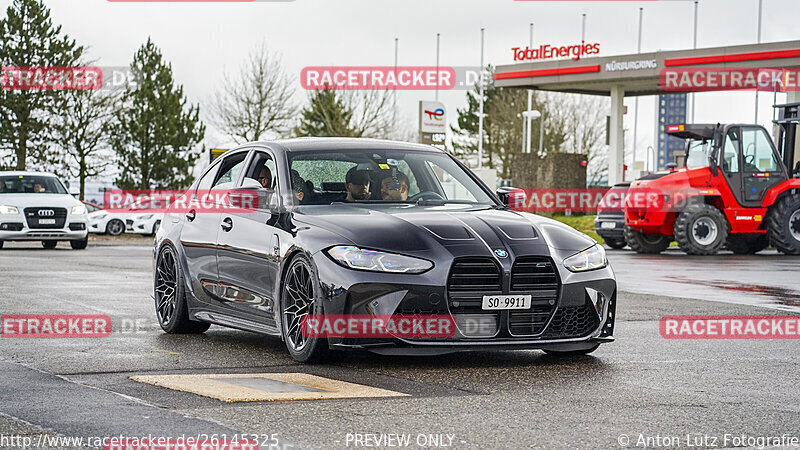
point(36, 206)
point(106, 222)
point(144, 223)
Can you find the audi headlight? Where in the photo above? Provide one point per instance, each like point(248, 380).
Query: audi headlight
point(590, 259)
point(375, 261)
point(78, 210)
point(5, 209)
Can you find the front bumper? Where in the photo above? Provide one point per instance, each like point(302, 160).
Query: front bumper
point(15, 228)
point(582, 312)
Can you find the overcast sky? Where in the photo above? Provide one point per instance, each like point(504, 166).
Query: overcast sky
point(204, 39)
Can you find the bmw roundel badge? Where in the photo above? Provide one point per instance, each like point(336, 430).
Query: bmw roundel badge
point(501, 253)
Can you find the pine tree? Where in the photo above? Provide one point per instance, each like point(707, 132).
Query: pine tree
point(156, 133)
point(326, 115)
point(31, 40)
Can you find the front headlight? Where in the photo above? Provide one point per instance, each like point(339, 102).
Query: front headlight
point(145, 217)
point(78, 210)
point(5, 209)
point(590, 259)
point(375, 261)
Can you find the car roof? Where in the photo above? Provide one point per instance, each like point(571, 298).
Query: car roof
point(26, 173)
point(350, 144)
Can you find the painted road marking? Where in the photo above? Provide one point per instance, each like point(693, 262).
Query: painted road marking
point(272, 387)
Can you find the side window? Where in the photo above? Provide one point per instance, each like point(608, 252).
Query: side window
point(229, 171)
point(757, 152)
point(730, 155)
point(403, 166)
point(207, 179)
point(452, 188)
point(262, 171)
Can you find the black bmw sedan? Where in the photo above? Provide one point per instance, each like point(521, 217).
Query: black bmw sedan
point(348, 235)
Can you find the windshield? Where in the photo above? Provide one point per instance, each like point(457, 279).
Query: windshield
point(699, 151)
point(405, 177)
point(30, 184)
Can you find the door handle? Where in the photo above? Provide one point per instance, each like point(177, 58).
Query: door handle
point(191, 215)
point(227, 224)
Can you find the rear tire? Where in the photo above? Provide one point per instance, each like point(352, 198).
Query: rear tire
point(1, 244)
point(616, 243)
point(747, 243)
point(783, 224)
point(646, 243)
point(115, 227)
point(49, 244)
point(701, 229)
point(79, 244)
point(172, 311)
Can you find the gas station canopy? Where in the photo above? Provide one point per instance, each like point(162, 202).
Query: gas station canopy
point(640, 74)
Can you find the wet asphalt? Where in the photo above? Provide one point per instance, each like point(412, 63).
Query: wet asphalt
point(641, 389)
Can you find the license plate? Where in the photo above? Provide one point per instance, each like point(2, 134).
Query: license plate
point(608, 225)
point(506, 302)
point(47, 221)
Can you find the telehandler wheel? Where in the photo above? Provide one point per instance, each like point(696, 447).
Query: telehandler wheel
point(783, 224)
point(747, 243)
point(646, 243)
point(701, 229)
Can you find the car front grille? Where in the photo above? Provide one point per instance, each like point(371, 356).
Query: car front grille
point(535, 276)
point(470, 279)
point(573, 322)
point(34, 215)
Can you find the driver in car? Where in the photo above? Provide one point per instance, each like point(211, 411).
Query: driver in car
point(265, 177)
point(395, 187)
point(357, 185)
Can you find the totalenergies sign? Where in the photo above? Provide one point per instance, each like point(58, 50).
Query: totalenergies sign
point(548, 51)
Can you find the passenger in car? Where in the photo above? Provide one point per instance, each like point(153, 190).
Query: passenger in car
point(395, 187)
point(299, 186)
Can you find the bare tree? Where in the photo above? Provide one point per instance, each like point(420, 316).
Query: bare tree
point(373, 113)
point(82, 134)
point(257, 102)
point(583, 122)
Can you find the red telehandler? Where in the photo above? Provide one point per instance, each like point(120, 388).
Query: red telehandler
point(736, 190)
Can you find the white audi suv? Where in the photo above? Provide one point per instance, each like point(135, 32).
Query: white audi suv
point(36, 206)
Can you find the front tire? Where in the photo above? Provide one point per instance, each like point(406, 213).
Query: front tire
point(49, 244)
point(701, 229)
point(170, 296)
point(646, 243)
point(115, 227)
point(79, 244)
point(300, 296)
point(783, 225)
